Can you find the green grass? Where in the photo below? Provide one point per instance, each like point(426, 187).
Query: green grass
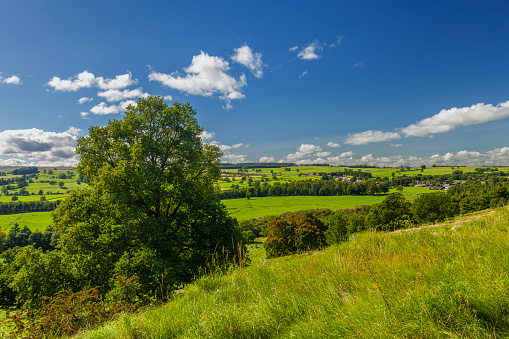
point(35, 220)
point(258, 207)
point(243, 209)
point(440, 282)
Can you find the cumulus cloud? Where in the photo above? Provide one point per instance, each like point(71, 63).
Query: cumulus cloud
point(205, 76)
point(103, 109)
point(370, 136)
point(347, 154)
point(303, 151)
point(168, 97)
point(234, 158)
point(309, 52)
point(253, 61)
point(449, 119)
point(86, 79)
point(13, 80)
point(84, 100)
point(116, 95)
point(207, 135)
point(322, 154)
point(333, 144)
point(40, 147)
point(267, 159)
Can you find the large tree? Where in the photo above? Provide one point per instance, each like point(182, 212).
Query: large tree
point(150, 208)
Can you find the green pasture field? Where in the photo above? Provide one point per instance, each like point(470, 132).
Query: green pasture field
point(55, 192)
point(256, 207)
point(243, 209)
point(35, 220)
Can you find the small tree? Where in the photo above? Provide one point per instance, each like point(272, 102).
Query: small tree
point(293, 234)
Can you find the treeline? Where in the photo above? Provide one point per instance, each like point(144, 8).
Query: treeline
point(21, 237)
point(25, 170)
point(28, 206)
point(255, 165)
point(306, 187)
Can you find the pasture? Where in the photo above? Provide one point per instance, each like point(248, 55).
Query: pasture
point(34, 221)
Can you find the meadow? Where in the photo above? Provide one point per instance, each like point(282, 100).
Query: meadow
point(243, 209)
point(35, 221)
point(441, 282)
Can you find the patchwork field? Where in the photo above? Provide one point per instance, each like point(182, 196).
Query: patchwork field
point(35, 220)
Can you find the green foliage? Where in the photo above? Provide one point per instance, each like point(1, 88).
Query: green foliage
point(432, 283)
point(150, 208)
point(433, 207)
point(392, 213)
point(66, 313)
point(294, 234)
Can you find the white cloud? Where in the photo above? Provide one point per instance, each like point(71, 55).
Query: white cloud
point(303, 74)
point(103, 109)
point(13, 80)
point(84, 115)
point(449, 119)
point(205, 76)
point(168, 97)
point(116, 95)
point(39, 146)
point(309, 52)
point(253, 61)
point(322, 154)
point(74, 130)
point(234, 158)
point(238, 145)
point(347, 154)
point(396, 145)
point(267, 159)
point(86, 79)
point(370, 136)
point(84, 100)
point(333, 144)
point(207, 135)
point(293, 49)
point(303, 151)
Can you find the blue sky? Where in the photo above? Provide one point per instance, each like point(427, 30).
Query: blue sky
point(384, 83)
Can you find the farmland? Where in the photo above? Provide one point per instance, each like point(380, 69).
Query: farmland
point(258, 207)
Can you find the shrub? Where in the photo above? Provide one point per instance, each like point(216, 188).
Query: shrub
point(293, 234)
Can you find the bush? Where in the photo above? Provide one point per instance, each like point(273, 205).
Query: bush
point(293, 234)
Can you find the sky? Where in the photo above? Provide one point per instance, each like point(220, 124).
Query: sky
point(380, 83)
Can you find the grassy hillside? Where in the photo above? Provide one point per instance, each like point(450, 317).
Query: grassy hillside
point(440, 282)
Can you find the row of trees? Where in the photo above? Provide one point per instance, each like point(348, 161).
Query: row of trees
point(21, 237)
point(306, 187)
point(28, 206)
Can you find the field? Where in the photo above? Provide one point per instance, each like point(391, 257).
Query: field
point(258, 207)
point(441, 282)
point(35, 220)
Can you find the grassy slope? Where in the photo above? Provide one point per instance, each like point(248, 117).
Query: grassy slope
point(441, 282)
point(35, 220)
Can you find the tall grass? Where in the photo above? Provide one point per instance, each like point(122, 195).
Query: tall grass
point(435, 283)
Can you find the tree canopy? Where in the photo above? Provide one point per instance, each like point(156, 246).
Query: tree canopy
point(150, 210)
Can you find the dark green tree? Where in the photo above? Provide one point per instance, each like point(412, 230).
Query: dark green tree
point(150, 208)
point(392, 213)
point(433, 207)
